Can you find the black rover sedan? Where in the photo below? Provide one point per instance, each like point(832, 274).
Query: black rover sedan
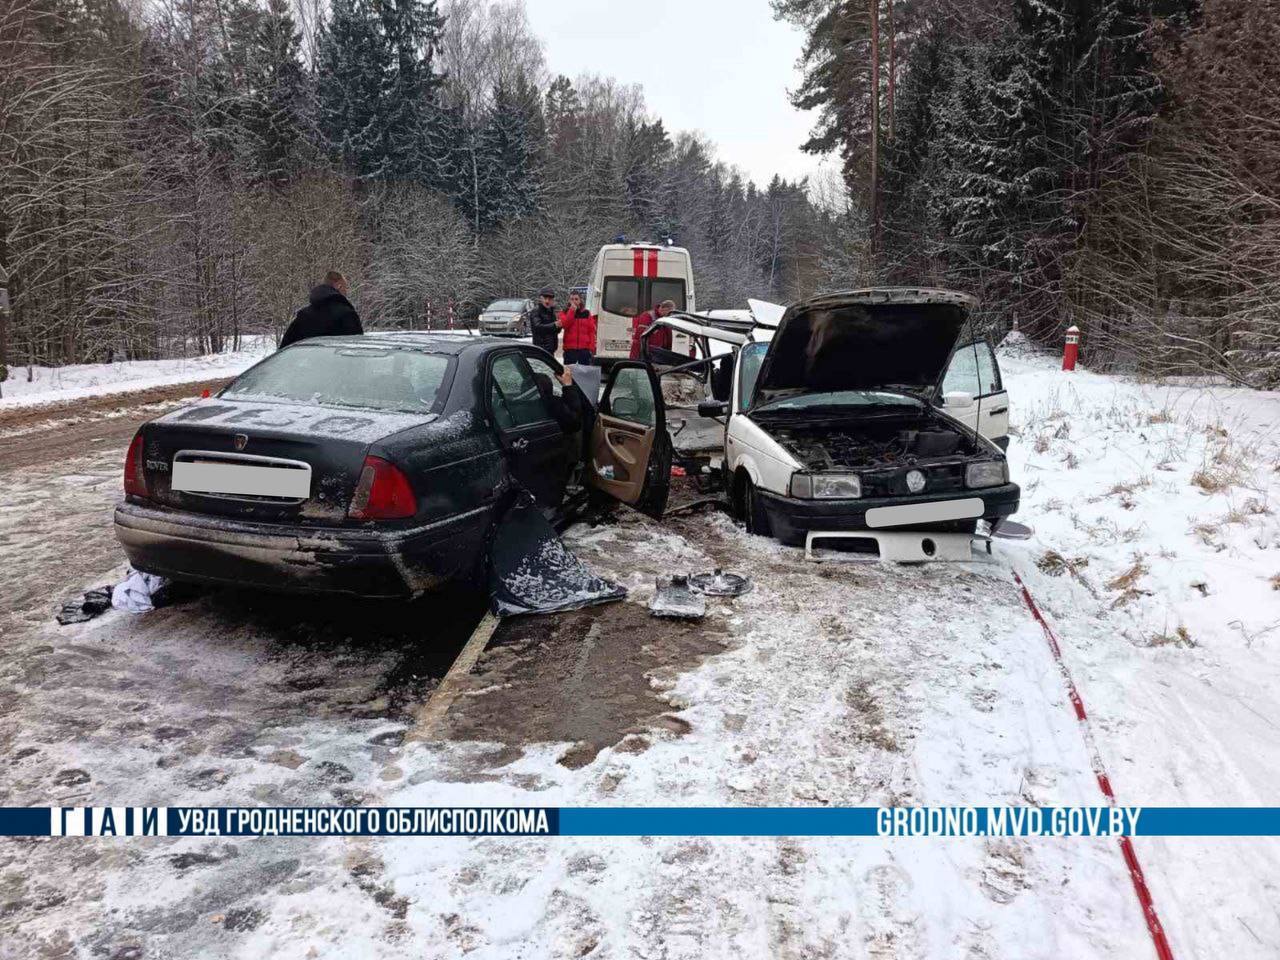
point(378, 465)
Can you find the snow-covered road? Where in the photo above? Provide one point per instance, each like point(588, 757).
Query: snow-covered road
point(1156, 558)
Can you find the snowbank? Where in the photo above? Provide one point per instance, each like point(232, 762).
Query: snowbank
point(1157, 557)
point(76, 381)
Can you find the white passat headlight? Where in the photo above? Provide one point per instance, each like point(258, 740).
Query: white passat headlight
point(992, 473)
point(826, 486)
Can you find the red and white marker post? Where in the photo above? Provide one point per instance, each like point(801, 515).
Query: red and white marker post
point(1072, 349)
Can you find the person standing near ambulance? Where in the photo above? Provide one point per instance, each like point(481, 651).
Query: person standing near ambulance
point(579, 328)
point(641, 322)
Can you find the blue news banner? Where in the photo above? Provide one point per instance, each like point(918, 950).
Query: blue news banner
point(895, 822)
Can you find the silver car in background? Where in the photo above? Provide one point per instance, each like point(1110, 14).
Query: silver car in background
point(509, 318)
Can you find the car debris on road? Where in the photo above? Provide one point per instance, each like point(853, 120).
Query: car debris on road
point(532, 571)
point(718, 583)
point(672, 598)
point(93, 604)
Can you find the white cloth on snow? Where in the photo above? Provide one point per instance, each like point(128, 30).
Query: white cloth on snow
point(134, 592)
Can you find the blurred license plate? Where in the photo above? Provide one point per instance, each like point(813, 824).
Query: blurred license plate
point(205, 476)
point(934, 512)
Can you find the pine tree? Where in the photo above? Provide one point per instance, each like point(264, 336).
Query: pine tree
point(377, 88)
point(277, 94)
point(352, 76)
point(837, 78)
point(412, 30)
point(508, 147)
point(646, 150)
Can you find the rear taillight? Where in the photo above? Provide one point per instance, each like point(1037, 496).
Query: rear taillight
point(383, 493)
point(135, 480)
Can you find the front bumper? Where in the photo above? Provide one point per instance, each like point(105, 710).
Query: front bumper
point(358, 561)
point(502, 328)
point(791, 519)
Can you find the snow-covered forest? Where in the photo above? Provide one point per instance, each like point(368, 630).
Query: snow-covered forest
point(1109, 163)
point(175, 175)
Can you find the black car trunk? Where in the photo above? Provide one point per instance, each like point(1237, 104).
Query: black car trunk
point(332, 443)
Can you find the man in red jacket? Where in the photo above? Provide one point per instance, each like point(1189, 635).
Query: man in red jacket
point(579, 328)
point(641, 322)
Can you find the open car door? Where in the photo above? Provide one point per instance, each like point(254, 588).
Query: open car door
point(974, 376)
point(630, 449)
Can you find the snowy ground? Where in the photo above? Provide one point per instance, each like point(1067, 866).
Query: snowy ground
point(34, 385)
point(1156, 556)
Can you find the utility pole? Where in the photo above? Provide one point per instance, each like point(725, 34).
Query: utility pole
point(4, 326)
point(875, 127)
point(893, 67)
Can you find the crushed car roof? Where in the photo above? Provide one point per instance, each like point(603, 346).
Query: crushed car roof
point(698, 325)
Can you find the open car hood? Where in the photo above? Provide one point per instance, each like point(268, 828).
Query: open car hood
point(890, 338)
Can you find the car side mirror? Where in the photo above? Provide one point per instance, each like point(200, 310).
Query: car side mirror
point(958, 400)
point(713, 408)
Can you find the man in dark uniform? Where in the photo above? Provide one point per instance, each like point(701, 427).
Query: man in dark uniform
point(328, 314)
point(544, 323)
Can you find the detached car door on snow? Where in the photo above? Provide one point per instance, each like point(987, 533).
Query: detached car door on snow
point(975, 371)
point(630, 449)
point(533, 441)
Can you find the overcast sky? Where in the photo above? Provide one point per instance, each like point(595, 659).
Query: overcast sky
point(720, 66)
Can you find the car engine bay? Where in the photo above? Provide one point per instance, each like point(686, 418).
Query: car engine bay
point(890, 443)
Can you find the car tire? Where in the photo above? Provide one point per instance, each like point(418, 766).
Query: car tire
point(749, 509)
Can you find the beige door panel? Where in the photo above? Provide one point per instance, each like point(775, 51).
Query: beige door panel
point(625, 447)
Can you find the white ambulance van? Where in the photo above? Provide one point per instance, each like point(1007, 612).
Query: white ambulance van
point(630, 278)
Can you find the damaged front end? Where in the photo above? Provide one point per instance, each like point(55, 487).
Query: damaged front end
point(847, 392)
point(882, 475)
point(887, 457)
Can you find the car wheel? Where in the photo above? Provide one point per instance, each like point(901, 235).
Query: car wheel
point(749, 510)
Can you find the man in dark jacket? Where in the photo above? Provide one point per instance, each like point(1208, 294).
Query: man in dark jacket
point(329, 314)
point(571, 410)
point(543, 322)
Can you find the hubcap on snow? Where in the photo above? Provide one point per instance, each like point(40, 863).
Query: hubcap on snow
point(720, 584)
